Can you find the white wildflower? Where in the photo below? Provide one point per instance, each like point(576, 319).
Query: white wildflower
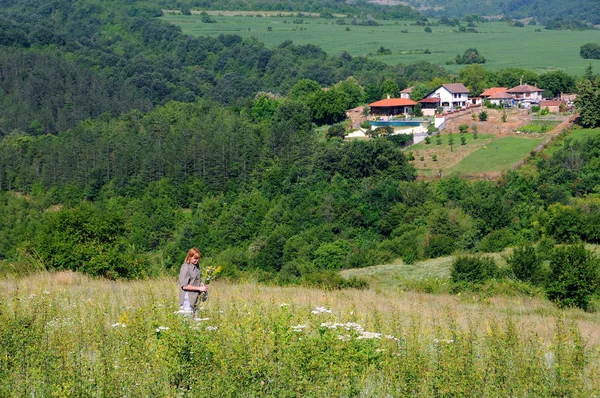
point(369, 335)
point(211, 328)
point(437, 341)
point(298, 328)
point(321, 310)
point(201, 319)
point(161, 328)
point(344, 337)
point(116, 325)
point(46, 292)
point(284, 305)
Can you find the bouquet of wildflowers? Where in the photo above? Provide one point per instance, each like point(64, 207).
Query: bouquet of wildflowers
point(209, 274)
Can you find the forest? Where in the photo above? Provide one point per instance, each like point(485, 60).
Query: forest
point(125, 142)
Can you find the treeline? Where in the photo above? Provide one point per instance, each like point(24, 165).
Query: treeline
point(326, 8)
point(543, 11)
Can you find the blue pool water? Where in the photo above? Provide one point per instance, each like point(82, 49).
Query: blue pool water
point(395, 123)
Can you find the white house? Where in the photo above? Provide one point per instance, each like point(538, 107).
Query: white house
point(452, 96)
point(525, 93)
point(501, 98)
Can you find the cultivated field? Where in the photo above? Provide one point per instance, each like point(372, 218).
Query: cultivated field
point(502, 45)
point(67, 335)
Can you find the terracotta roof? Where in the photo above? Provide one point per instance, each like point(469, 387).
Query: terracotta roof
point(524, 88)
point(501, 95)
point(408, 90)
point(551, 103)
point(389, 102)
point(492, 91)
point(431, 100)
point(456, 88)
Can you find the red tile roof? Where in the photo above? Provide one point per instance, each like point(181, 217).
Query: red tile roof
point(524, 88)
point(501, 95)
point(432, 100)
point(492, 91)
point(389, 102)
point(408, 90)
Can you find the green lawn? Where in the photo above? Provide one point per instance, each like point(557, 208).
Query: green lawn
point(496, 156)
point(502, 45)
point(539, 126)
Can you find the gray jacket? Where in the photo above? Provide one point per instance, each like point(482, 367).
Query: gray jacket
point(189, 275)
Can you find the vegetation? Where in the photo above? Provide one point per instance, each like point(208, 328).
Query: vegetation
point(64, 334)
point(554, 49)
point(590, 51)
point(470, 56)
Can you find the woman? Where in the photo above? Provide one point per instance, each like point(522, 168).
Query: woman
point(190, 283)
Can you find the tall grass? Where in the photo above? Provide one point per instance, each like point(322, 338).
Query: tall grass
point(67, 335)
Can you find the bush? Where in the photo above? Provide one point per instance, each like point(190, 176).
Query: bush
point(526, 264)
point(329, 280)
point(574, 277)
point(438, 246)
point(473, 269)
point(496, 241)
point(483, 116)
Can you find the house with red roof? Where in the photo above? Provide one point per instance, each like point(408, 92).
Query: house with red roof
point(501, 98)
point(452, 96)
point(526, 94)
point(491, 91)
point(392, 107)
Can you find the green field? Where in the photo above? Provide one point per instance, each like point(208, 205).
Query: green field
point(65, 335)
point(502, 45)
point(498, 155)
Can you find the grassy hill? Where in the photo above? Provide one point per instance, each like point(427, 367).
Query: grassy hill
point(541, 10)
point(502, 45)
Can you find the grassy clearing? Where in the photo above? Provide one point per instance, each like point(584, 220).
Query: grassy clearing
point(486, 154)
point(502, 45)
point(65, 335)
point(538, 127)
point(496, 156)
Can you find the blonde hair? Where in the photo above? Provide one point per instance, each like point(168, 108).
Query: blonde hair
point(192, 253)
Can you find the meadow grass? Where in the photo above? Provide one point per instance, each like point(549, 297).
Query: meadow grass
point(503, 45)
point(538, 126)
point(497, 155)
point(486, 154)
point(68, 335)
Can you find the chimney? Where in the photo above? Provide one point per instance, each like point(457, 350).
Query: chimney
point(388, 96)
point(521, 81)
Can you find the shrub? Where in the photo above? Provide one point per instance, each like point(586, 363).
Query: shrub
point(337, 130)
point(526, 264)
point(495, 241)
point(473, 269)
point(574, 277)
point(365, 125)
point(483, 116)
point(438, 246)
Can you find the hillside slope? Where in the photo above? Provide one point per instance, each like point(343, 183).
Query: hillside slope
point(541, 10)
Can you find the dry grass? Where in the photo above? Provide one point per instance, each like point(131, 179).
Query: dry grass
point(533, 314)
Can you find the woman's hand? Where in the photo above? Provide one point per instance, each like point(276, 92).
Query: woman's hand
point(203, 288)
